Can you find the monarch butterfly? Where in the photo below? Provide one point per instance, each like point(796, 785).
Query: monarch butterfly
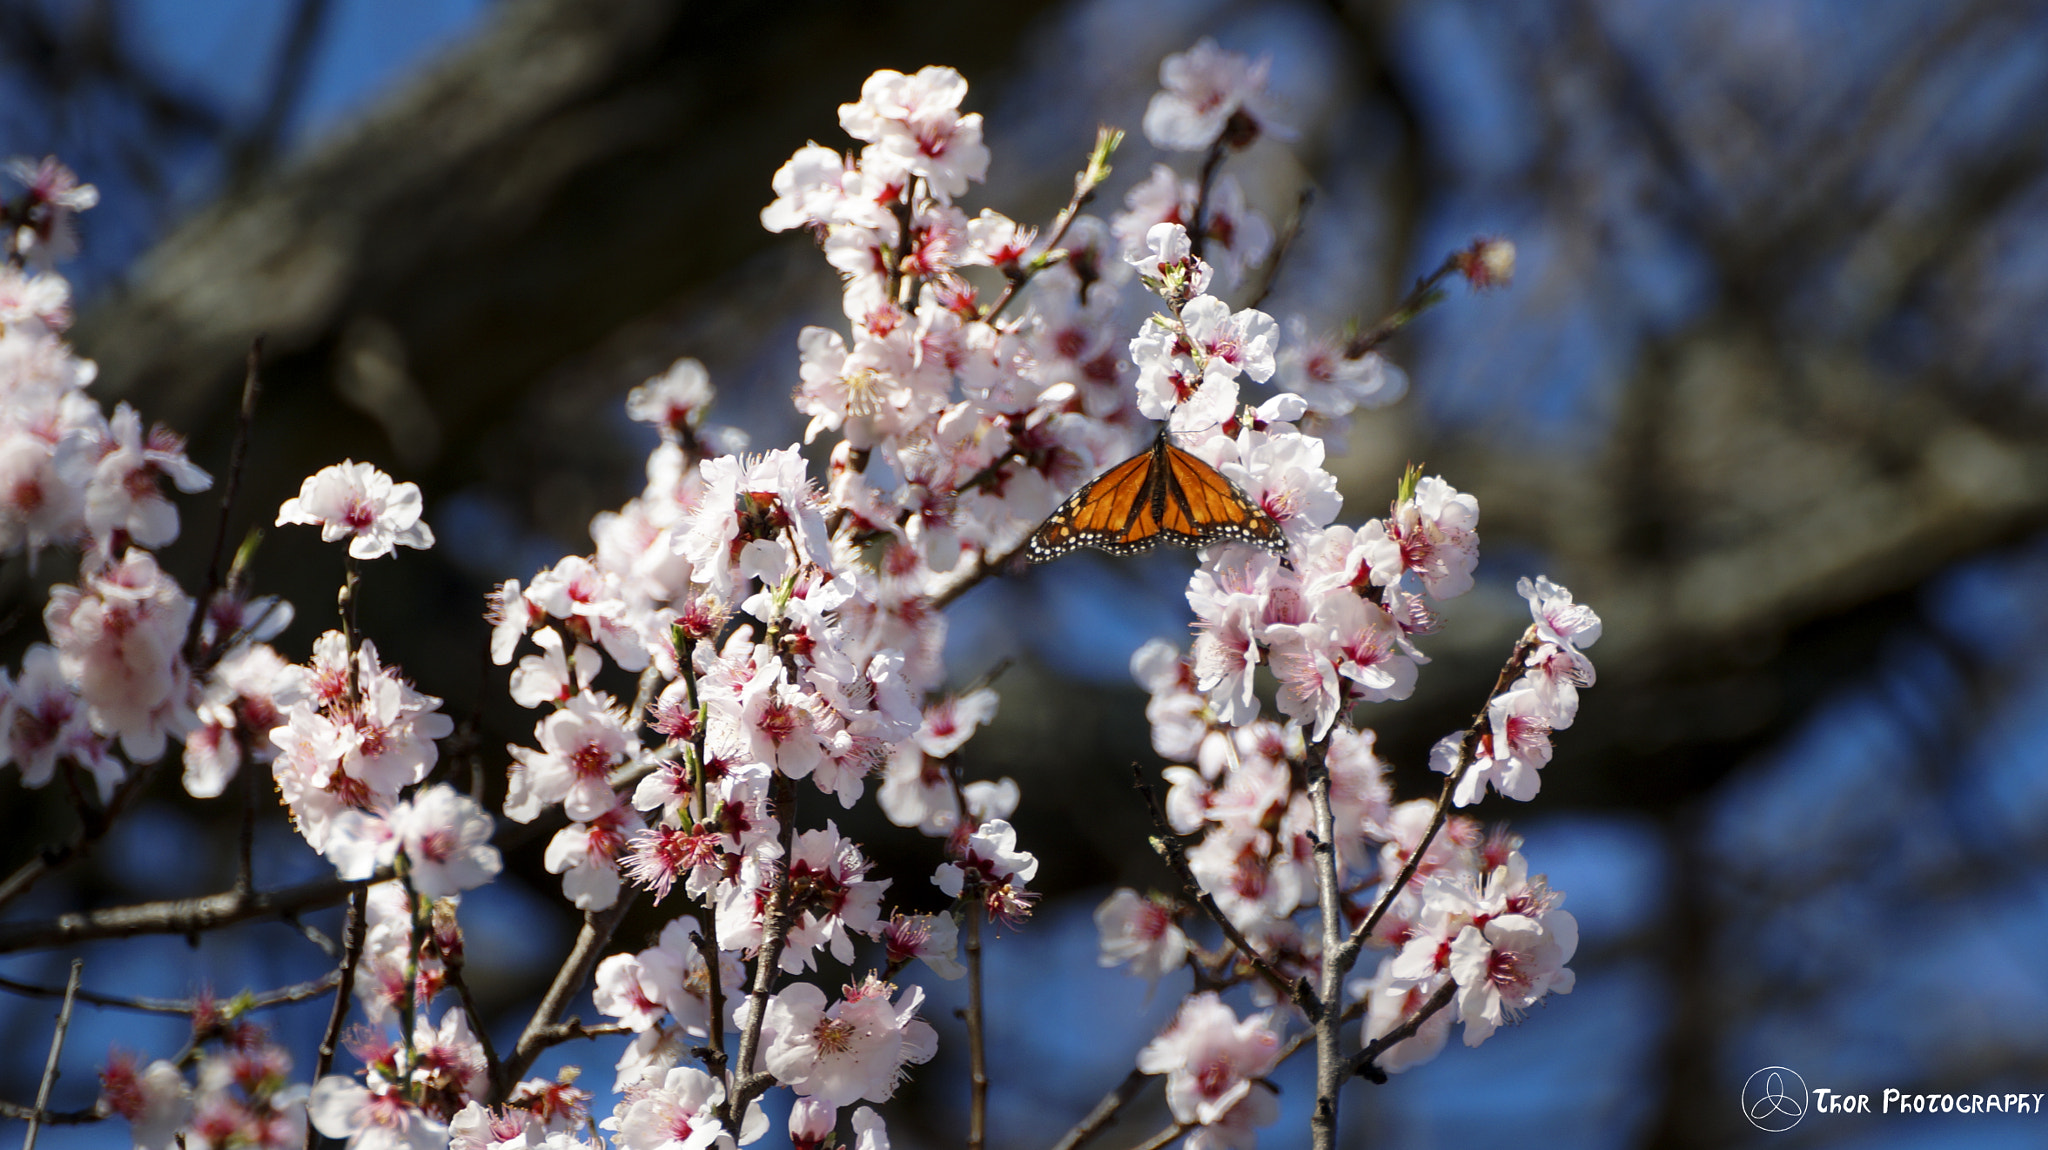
point(1161, 493)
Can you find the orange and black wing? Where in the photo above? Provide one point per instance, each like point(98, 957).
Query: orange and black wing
point(1114, 512)
point(1203, 507)
point(1159, 494)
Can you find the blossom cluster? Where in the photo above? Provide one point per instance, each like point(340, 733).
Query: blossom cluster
point(234, 1087)
point(742, 634)
point(1334, 621)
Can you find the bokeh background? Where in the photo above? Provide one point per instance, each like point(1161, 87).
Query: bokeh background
point(1767, 391)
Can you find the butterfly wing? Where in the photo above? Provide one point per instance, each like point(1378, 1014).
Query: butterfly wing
point(1160, 494)
point(1112, 512)
point(1207, 508)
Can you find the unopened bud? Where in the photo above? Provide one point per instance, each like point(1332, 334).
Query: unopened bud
point(1488, 263)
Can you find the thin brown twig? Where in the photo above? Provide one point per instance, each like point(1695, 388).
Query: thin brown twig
point(598, 928)
point(453, 965)
point(245, 838)
point(1421, 298)
point(749, 1083)
point(177, 916)
point(1086, 182)
point(1165, 1137)
point(706, 938)
point(1362, 1064)
point(977, 1054)
point(17, 1111)
point(344, 987)
point(1466, 750)
point(1288, 234)
point(1169, 848)
point(298, 992)
point(216, 578)
point(1198, 231)
point(1104, 1115)
point(571, 1029)
point(56, 1053)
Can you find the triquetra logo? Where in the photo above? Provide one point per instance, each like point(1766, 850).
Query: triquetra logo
point(1774, 1099)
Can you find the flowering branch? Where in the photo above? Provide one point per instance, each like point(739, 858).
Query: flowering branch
point(749, 1083)
point(1168, 846)
point(1348, 954)
point(1107, 140)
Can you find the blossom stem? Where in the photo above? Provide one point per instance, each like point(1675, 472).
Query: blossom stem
point(216, 579)
point(1361, 1063)
point(775, 924)
point(1085, 183)
point(1466, 750)
point(245, 839)
point(1329, 1038)
point(408, 1004)
point(1271, 271)
point(1421, 298)
point(350, 579)
point(598, 928)
point(351, 952)
point(977, 1055)
point(1103, 1116)
point(1198, 234)
point(1169, 848)
point(56, 1052)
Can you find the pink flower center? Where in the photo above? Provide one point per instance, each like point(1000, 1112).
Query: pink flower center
point(778, 721)
point(437, 846)
point(1215, 1077)
point(590, 761)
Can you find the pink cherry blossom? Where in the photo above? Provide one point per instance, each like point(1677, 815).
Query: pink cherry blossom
point(1503, 968)
point(446, 835)
point(1210, 1058)
point(123, 494)
point(579, 746)
point(1142, 932)
point(118, 639)
point(156, 1101)
point(1210, 93)
point(852, 1051)
point(357, 502)
point(915, 125)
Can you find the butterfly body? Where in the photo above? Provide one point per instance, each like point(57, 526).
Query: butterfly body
point(1161, 494)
